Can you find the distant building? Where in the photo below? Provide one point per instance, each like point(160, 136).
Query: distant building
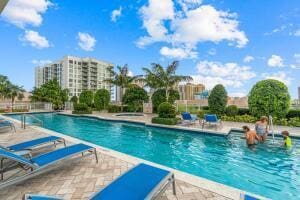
point(240, 102)
point(189, 91)
point(202, 95)
point(299, 93)
point(75, 74)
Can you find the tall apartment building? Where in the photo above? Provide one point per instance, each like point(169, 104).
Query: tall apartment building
point(299, 93)
point(75, 74)
point(189, 90)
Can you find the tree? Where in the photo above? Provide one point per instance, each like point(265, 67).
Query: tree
point(14, 91)
point(134, 97)
point(217, 99)
point(160, 78)
point(159, 96)
point(121, 78)
point(87, 97)
point(4, 84)
point(101, 99)
point(269, 97)
point(50, 92)
point(74, 99)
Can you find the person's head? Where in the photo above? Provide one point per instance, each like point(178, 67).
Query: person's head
point(263, 119)
point(246, 129)
point(285, 134)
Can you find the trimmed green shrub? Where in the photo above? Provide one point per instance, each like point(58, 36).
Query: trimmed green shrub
point(101, 99)
point(294, 121)
point(243, 111)
point(114, 108)
point(166, 110)
point(165, 121)
point(159, 96)
point(269, 97)
point(86, 97)
point(20, 110)
point(217, 99)
point(205, 107)
point(293, 114)
point(231, 110)
point(201, 113)
point(82, 108)
point(74, 99)
point(240, 118)
point(134, 97)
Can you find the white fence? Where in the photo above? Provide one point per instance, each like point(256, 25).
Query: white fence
point(42, 106)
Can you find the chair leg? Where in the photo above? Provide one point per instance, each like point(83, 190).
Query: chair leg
point(96, 156)
point(64, 141)
point(173, 185)
point(1, 168)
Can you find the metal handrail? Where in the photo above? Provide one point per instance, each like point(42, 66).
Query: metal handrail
point(23, 120)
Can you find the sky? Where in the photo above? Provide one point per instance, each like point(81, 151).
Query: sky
point(235, 43)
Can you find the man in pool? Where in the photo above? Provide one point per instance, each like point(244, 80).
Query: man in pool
point(287, 139)
point(251, 136)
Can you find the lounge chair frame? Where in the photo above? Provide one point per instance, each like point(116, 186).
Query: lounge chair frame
point(156, 192)
point(36, 170)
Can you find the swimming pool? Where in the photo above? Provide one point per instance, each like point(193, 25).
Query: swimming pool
point(268, 170)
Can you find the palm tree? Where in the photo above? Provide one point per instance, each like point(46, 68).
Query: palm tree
point(121, 78)
point(159, 78)
point(4, 85)
point(14, 91)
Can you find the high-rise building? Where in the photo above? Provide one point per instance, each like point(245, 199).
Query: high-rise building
point(75, 74)
point(299, 93)
point(189, 90)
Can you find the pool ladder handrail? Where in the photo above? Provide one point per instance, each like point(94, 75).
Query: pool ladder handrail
point(23, 120)
point(272, 127)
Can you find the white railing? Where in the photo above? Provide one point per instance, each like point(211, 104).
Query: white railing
point(26, 107)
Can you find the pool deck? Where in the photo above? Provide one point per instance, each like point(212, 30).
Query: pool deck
point(221, 130)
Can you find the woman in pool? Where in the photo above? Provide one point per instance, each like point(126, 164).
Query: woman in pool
point(261, 128)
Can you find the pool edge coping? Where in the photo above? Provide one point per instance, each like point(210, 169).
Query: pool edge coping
point(213, 186)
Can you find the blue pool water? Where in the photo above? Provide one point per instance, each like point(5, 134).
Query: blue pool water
point(269, 170)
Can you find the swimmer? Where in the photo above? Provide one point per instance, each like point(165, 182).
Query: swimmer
point(287, 139)
point(251, 136)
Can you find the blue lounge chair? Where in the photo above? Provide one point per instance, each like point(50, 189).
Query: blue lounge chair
point(247, 197)
point(28, 145)
point(211, 119)
point(5, 124)
point(187, 117)
point(140, 182)
point(42, 162)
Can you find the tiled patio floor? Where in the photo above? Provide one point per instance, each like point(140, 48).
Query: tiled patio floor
point(79, 178)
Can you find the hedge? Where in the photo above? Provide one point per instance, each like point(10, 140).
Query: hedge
point(166, 110)
point(114, 109)
point(81, 108)
point(165, 121)
point(293, 113)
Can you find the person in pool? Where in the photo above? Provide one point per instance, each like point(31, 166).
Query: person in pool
point(261, 128)
point(250, 136)
point(287, 139)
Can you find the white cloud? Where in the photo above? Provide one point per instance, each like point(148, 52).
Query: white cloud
point(205, 23)
point(178, 53)
point(130, 73)
point(280, 76)
point(40, 62)
point(153, 16)
point(296, 65)
point(188, 27)
point(22, 13)
point(212, 52)
point(228, 74)
point(297, 33)
point(86, 41)
point(116, 14)
point(248, 59)
point(35, 39)
point(275, 61)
